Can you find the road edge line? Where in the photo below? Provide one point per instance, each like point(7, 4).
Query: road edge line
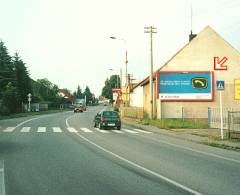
point(185, 188)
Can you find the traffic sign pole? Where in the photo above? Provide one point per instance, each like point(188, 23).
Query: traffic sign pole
point(220, 88)
point(221, 113)
point(29, 102)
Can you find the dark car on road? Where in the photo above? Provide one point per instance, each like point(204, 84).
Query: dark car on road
point(107, 119)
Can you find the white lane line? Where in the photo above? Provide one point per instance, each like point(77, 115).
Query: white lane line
point(142, 131)
point(9, 129)
point(136, 165)
point(193, 150)
point(86, 130)
point(2, 182)
point(117, 131)
point(185, 188)
point(129, 131)
point(101, 131)
point(25, 129)
point(72, 130)
point(57, 130)
point(41, 129)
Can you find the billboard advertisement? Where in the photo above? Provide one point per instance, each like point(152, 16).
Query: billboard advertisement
point(186, 86)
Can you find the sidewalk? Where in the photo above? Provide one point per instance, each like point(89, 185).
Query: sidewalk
point(204, 136)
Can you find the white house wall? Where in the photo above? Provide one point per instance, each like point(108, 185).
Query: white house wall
point(136, 97)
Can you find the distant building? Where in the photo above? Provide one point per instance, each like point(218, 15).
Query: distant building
point(66, 95)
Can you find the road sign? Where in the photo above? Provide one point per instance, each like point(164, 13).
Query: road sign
point(237, 89)
point(219, 64)
point(29, 101)
point(220, 85)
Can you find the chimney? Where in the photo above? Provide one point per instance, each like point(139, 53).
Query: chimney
point(192, 36)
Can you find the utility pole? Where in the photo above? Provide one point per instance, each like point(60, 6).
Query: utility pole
point(126, 63)
point(151, 30)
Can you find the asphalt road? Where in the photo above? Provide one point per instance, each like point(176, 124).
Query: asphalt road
point(62, 154)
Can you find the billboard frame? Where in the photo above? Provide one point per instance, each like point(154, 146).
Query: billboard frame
point(186, 100)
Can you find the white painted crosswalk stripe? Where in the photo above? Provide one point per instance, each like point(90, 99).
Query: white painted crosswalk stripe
point(129, 131)
point(26, 129)
point(142, 131)
point(57, 129)
point(101, 131)
point(86, 130)
point(117, 131)
point(72, 130)
point(9, 129)
point(41, 129)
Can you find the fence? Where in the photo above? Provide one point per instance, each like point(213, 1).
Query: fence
point(214, 119)
point(234, 124)
point(132, 112)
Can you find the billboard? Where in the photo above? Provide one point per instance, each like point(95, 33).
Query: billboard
point(186, 86)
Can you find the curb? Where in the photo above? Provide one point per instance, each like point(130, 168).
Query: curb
point(158, 131)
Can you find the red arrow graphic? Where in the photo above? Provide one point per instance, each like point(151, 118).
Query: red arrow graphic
point(219, 63)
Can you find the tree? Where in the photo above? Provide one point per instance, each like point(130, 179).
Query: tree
point(88, 94)
point(109, 84)
point(78, 94)
point(23, 83)
point(45, 90)
point(7, 73)
point(9, 101)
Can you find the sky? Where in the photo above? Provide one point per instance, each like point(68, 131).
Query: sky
point(68, 41)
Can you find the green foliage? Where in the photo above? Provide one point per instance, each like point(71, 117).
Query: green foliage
point(7, 73)
point(174, 123)
point(44, 90)
point(90, 98)
point(78, 94)
point(9, 100)
point(22, 77)
point(113, 82)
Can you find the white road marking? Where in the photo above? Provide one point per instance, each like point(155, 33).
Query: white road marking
point(142, 131)
point(117, 131)
point(2, 182)
point(141, 167)
point(57, 130)
point(20, 124)
point(41, 129)
point(129, 131)
point(193, 150)
point(9, 129)
point(86, 130)
point(26, 129)
point(101, 131)
point(136, 165)
point(72, 130)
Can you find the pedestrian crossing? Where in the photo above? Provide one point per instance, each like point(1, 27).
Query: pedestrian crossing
point(71, 130)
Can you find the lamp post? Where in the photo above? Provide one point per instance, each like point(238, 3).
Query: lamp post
point(126, 57)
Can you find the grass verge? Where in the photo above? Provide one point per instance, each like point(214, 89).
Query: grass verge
point(221, 145)
point(174, 123)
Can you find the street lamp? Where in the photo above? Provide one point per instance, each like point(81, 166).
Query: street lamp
point(126, 56)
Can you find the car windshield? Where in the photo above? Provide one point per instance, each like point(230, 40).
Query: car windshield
point(110, 114)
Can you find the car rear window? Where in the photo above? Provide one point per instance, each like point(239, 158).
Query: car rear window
point(110, 113)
